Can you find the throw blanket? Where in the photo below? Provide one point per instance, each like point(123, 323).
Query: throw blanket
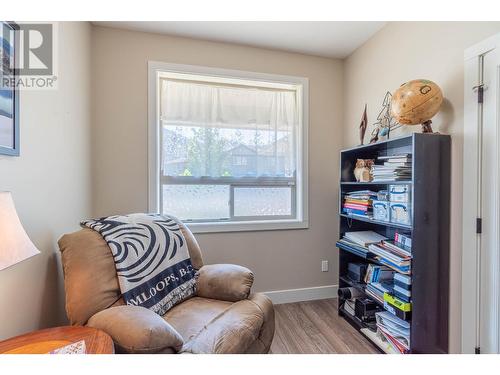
point(151, 259)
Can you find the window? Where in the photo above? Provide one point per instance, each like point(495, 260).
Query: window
point(240, 160)
point(228, 148)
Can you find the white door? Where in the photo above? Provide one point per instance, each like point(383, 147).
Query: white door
point(481, 232)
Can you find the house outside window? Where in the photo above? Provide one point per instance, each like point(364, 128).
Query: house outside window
point(228, 149)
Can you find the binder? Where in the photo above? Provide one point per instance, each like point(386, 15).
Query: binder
point(393, 301)
point(397, 307)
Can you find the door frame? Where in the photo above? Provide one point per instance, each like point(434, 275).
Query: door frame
point(480, 249)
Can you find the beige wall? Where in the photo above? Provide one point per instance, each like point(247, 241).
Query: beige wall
point(280, 259)
point(50, 183)
point(401, 52)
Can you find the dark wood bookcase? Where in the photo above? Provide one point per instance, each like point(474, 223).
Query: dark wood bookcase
point(430, 212)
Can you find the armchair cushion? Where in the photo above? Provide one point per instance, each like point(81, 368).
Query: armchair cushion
point(231, 332)
point(136, 329)
point(226, 282)
point(89, 275)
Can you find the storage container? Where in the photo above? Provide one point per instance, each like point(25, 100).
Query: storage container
point(383, 195)
point(380, 210)
point(400, 193)
point(400, 213)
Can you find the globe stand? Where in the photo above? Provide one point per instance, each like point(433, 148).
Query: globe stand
point(426, 127)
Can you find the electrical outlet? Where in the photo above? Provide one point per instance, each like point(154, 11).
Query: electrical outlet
point(324, 266)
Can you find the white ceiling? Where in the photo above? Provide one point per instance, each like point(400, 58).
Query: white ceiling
point(327, 38)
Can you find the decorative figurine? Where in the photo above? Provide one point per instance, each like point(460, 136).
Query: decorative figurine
point(362, 126)
point(385, 122)
point(362, 172)
point(374, 137)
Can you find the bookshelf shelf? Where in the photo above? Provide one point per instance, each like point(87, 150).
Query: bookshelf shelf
point(430, 206)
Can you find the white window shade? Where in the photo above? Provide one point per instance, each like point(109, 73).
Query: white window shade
point(221, 130)
point(198, 104)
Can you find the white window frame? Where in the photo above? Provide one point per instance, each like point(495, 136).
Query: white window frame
point(155, 70)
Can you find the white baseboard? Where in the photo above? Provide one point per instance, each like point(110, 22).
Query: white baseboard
point(302, 294)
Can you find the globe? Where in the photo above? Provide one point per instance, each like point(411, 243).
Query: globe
point(416, 102)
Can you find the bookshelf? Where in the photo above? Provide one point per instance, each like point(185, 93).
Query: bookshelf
point(429, 230)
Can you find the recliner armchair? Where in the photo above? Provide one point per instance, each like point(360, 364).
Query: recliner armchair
point(223, 317)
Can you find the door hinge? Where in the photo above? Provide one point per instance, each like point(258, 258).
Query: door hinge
point(477, 350)
point(479, 225)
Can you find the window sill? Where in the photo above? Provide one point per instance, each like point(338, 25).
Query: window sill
point(247, 226)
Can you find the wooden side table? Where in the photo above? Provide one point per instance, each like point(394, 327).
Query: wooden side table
point(46, 340)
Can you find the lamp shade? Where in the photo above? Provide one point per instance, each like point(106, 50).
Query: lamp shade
point(15, 245)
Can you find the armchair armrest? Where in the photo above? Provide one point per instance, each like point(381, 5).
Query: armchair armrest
point(136, 329)
point(226, 282)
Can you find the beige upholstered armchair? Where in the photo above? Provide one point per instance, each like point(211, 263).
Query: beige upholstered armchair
point(222, 318)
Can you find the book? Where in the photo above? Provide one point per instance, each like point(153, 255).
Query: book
point(403, 279)
point(396, 345)
point(398, 328)
point(401, 293)
point(403, 239)
point(365, 238)
point(349, 306)
point(397, 164)
point(402, 250)
point(383, 287)
point(393, 301)
point(375, 273)
point(361, 195)
point(401, 309)
point(390, 179)
point(388, 254)
point(401, 285)
point(348, 242)
point(360, 202)
point(376, 297)
point(406, 157)
point(352, 247)
point(363, 192)
point(406, 269)
point(356, 206)
point(351, 211)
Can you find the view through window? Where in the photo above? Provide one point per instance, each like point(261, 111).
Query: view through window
point(229, 149)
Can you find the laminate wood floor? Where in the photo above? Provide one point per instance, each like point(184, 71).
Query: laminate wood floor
point(313, 327)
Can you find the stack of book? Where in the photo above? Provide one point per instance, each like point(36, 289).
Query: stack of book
point(377, 290)
point(350, 306)
point(394, 330)
point(393, 168)
point(403, 241)
point(379, 280)
point(358, 242)
point(402, 287)
point(391, 254)
point(375, 273)
point(359, 203)
point(352, 247)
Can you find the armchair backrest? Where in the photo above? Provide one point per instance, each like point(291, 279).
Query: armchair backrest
point(90, 279)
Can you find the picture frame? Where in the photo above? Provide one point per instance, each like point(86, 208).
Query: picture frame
point(9, 96)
